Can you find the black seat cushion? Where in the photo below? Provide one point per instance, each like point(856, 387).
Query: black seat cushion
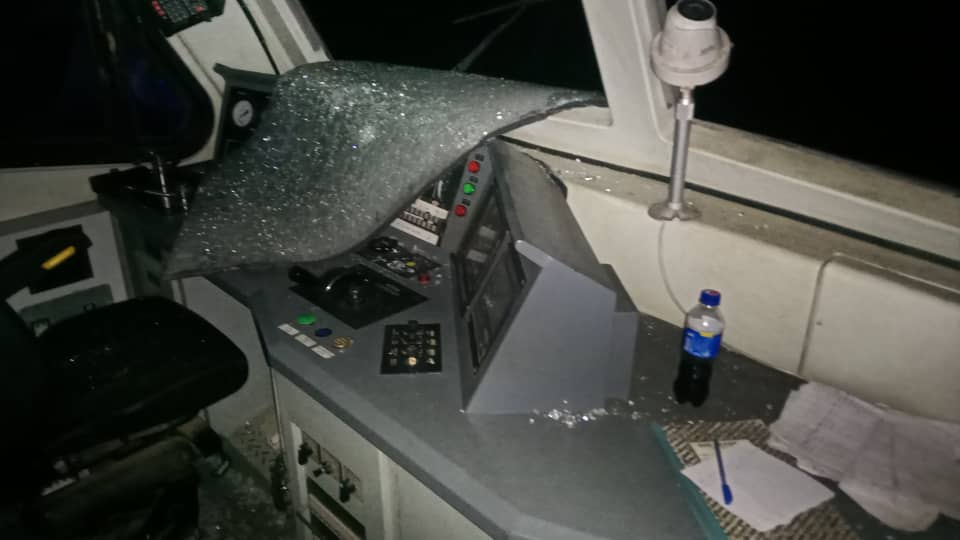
point(131, 366)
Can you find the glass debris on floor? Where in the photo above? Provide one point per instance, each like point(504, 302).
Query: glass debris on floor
point(236, 506)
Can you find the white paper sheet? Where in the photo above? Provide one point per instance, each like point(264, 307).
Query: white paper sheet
point(892, 508)
point(826, 428)
point(902, 469)
point(766, 491)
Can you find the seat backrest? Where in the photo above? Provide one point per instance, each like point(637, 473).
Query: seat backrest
point(22, 398)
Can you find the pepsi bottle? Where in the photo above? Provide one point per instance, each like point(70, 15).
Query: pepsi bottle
point(703, 330)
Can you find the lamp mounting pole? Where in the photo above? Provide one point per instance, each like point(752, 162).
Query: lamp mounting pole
point(690, 51)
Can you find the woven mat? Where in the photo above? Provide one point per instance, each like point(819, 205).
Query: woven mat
point(821, 523)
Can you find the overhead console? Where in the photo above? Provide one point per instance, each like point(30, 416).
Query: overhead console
point(486, 273)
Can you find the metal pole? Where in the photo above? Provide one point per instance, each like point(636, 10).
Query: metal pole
point(675, 207)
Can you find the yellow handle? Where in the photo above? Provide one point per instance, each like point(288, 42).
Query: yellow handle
point(55, 261)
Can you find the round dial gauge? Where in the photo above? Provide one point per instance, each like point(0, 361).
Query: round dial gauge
point(242, 113)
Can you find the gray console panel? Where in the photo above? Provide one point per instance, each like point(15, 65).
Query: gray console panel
point(564, 343)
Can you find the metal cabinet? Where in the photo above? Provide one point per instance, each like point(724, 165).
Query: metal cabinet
point(343, 487)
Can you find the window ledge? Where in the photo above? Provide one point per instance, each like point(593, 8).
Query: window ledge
point(748, 167)
point(862, 198)
point(789, 287)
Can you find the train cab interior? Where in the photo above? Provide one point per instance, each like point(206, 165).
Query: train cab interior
point(278, 269)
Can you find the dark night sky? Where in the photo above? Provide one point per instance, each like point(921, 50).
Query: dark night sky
point(865, 81)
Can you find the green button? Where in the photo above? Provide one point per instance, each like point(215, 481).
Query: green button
point(306, 319)
point(469, 188)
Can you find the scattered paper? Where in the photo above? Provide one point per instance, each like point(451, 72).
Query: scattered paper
point(766, 491)
point(897, 511)
point(873, 485)
point(902, 469)
point(825, 429)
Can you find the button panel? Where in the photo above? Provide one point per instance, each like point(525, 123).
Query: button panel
point(176, 15)
point(306, 319)
point(476, 176)
point(423, 219)
point(311, 344)
point(388, 253)
point(411, 348)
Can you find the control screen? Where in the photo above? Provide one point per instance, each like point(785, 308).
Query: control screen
point(491, 279)
point(480, 247)
point(495, 299)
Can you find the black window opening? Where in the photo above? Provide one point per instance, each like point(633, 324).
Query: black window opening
point(864, 83)
point(95, 81)
point(541, 41)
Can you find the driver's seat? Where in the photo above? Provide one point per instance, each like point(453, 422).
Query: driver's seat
point(96, 400)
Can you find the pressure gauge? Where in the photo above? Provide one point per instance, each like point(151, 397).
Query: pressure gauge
point(242, 113)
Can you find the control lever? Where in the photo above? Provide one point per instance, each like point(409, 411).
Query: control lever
point(384, 244)
point(301, 275)
point(328, 281)
point(323, 469)
point(304, 453)
point(346, 489)
point(279, 490)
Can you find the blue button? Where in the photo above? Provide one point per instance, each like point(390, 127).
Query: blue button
point(322, 332)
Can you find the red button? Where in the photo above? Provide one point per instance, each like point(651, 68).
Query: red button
point(473, 166)
point(460, 210)
point(424, 278)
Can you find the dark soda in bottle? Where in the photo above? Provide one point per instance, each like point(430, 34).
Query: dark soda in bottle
point(702, 333)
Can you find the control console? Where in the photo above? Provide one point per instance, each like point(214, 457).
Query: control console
point(487, 269)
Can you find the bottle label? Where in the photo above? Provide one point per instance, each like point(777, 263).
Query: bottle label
point(701, 344)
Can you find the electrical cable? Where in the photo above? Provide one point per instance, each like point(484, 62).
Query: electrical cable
point(259, 34)
point(465, 64)
point(663, 269)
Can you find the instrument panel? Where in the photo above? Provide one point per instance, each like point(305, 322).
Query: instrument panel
point(489, 273)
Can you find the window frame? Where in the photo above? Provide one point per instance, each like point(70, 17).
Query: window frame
point(51, 152)
point(635, 132)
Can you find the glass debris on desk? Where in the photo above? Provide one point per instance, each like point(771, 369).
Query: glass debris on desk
point(572, 418)
point(615, 408)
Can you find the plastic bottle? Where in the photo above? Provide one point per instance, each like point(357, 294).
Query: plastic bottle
point(703, 330)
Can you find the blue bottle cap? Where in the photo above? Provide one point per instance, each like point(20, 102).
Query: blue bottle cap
point(710, 297)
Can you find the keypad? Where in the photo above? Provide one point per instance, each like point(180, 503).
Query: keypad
point(411, 348)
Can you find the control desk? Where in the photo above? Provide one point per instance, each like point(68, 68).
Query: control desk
point(537, 321)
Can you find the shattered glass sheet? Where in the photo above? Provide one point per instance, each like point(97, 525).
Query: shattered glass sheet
point(342, 149)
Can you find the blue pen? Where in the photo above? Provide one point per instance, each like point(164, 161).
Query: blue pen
point(727, 494)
